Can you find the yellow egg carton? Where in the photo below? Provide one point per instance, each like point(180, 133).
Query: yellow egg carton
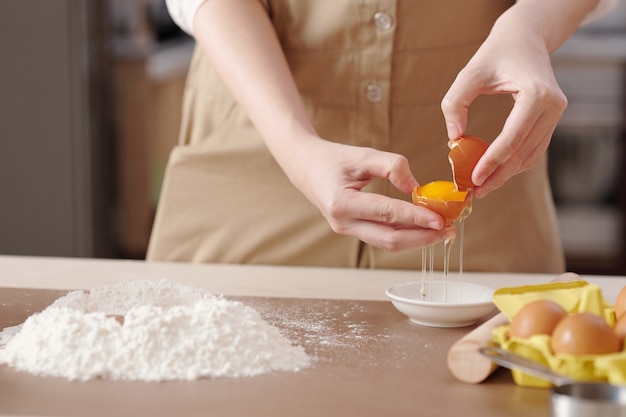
point(576, 297)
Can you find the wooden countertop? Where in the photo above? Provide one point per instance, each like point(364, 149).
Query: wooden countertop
point(370, 359)
point(243, 280)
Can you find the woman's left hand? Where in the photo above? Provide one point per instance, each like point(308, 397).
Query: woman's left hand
point(514, 59)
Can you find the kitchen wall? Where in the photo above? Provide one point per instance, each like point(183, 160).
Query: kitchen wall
point(89, 91)
point(587, 151)
point(150, 57)
point(48, 131)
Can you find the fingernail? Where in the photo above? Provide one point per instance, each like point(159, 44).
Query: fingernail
point(435, 224)
point(479, 193)
point(478, 179)
point(453, 130)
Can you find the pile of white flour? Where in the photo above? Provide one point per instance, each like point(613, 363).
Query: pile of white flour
point(169, 332)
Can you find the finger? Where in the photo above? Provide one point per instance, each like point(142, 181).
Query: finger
point(393, 239)
point(386, 210)
point(391, 166)
point(517, 127)
point(536, 109)
point(535, 156)
point(543, 130)
point(537, 153)
point(400, 174)
point(456, 102)
point(511, 168)
point(522, 160)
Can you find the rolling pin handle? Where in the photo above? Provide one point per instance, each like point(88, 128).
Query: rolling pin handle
point(465, 361)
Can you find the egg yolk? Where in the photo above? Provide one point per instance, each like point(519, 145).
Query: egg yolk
point(464, 155)
point(443, 198)
point(451, 199)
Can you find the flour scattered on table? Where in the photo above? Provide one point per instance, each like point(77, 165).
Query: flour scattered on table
point(169, 332)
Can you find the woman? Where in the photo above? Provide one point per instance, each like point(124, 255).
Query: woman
point(306, 124)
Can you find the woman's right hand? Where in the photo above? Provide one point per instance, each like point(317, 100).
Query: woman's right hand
point(333, 180)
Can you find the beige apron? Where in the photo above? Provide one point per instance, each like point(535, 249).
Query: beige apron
point(367, 79)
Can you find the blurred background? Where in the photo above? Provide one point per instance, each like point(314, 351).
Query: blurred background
point(90, 99)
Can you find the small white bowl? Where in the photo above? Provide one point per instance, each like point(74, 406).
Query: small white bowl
point(451, 304)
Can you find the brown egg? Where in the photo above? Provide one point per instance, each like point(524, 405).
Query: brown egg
point(620, 303)
point(443, 198)
point(464, 155)
point(536, 317)
point(620, 328)
point(584, 334)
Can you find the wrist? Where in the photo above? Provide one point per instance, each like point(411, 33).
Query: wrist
point(294, 146)
point(553, 21)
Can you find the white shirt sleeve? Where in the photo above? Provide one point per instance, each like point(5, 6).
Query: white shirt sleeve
point(183, 12)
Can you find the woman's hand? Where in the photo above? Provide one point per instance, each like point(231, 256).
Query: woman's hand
point(334, 180)
point(515, 59)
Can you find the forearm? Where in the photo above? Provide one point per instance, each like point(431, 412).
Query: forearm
point(241, 43)
point(553, 20)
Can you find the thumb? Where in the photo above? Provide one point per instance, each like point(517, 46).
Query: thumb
point(455, 104)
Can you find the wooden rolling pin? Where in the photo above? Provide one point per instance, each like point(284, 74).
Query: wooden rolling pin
point(464, 360)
